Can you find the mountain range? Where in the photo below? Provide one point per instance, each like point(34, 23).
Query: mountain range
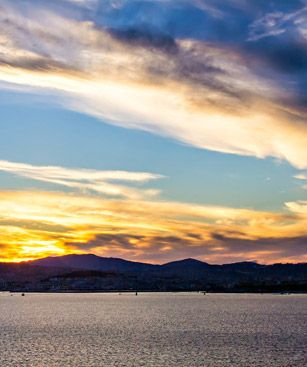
point(93, 273)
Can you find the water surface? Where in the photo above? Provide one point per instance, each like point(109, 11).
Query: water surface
point(49, 330)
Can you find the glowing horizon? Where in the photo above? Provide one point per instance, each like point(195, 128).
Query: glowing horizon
point(38, 224)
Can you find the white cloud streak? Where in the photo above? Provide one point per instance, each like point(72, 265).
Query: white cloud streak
point(276, 23)
point(101, 182)
point(302, 177)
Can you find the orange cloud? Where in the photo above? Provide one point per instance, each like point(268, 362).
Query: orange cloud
point(34, 224)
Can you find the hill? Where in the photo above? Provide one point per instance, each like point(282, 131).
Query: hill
point(94, 273)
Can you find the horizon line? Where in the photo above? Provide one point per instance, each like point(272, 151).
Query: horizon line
point(149, 263)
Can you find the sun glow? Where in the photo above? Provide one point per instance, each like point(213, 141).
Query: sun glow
point(39, 224)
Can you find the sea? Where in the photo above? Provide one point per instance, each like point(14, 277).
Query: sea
point(153, 329)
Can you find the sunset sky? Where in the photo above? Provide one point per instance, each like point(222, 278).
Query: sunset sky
point(154, 130)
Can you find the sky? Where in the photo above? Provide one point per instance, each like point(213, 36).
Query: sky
point(154, 130)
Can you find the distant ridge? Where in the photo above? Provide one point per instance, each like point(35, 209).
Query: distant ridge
point(91, 262)
point(94, 273)
point(94, 262)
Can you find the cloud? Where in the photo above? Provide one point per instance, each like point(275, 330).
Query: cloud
point(208, 95)
point(35, 224)
point(180, 69)
point(270, 25)
point(83, 3)
point(302, 177)
point(299, 207)
point(101, 182)
point(277, 23)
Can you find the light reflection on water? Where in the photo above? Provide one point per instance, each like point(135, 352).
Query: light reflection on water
point(153, 330)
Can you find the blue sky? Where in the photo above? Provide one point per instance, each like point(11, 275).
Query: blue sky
point(192, 102)
point(40, 134)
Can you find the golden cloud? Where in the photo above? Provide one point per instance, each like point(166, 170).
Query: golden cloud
point(208, 96)
point(35, 224)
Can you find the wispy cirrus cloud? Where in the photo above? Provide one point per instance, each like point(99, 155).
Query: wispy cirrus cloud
point(121, 74)
point(102, 182)
point(277, 23)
